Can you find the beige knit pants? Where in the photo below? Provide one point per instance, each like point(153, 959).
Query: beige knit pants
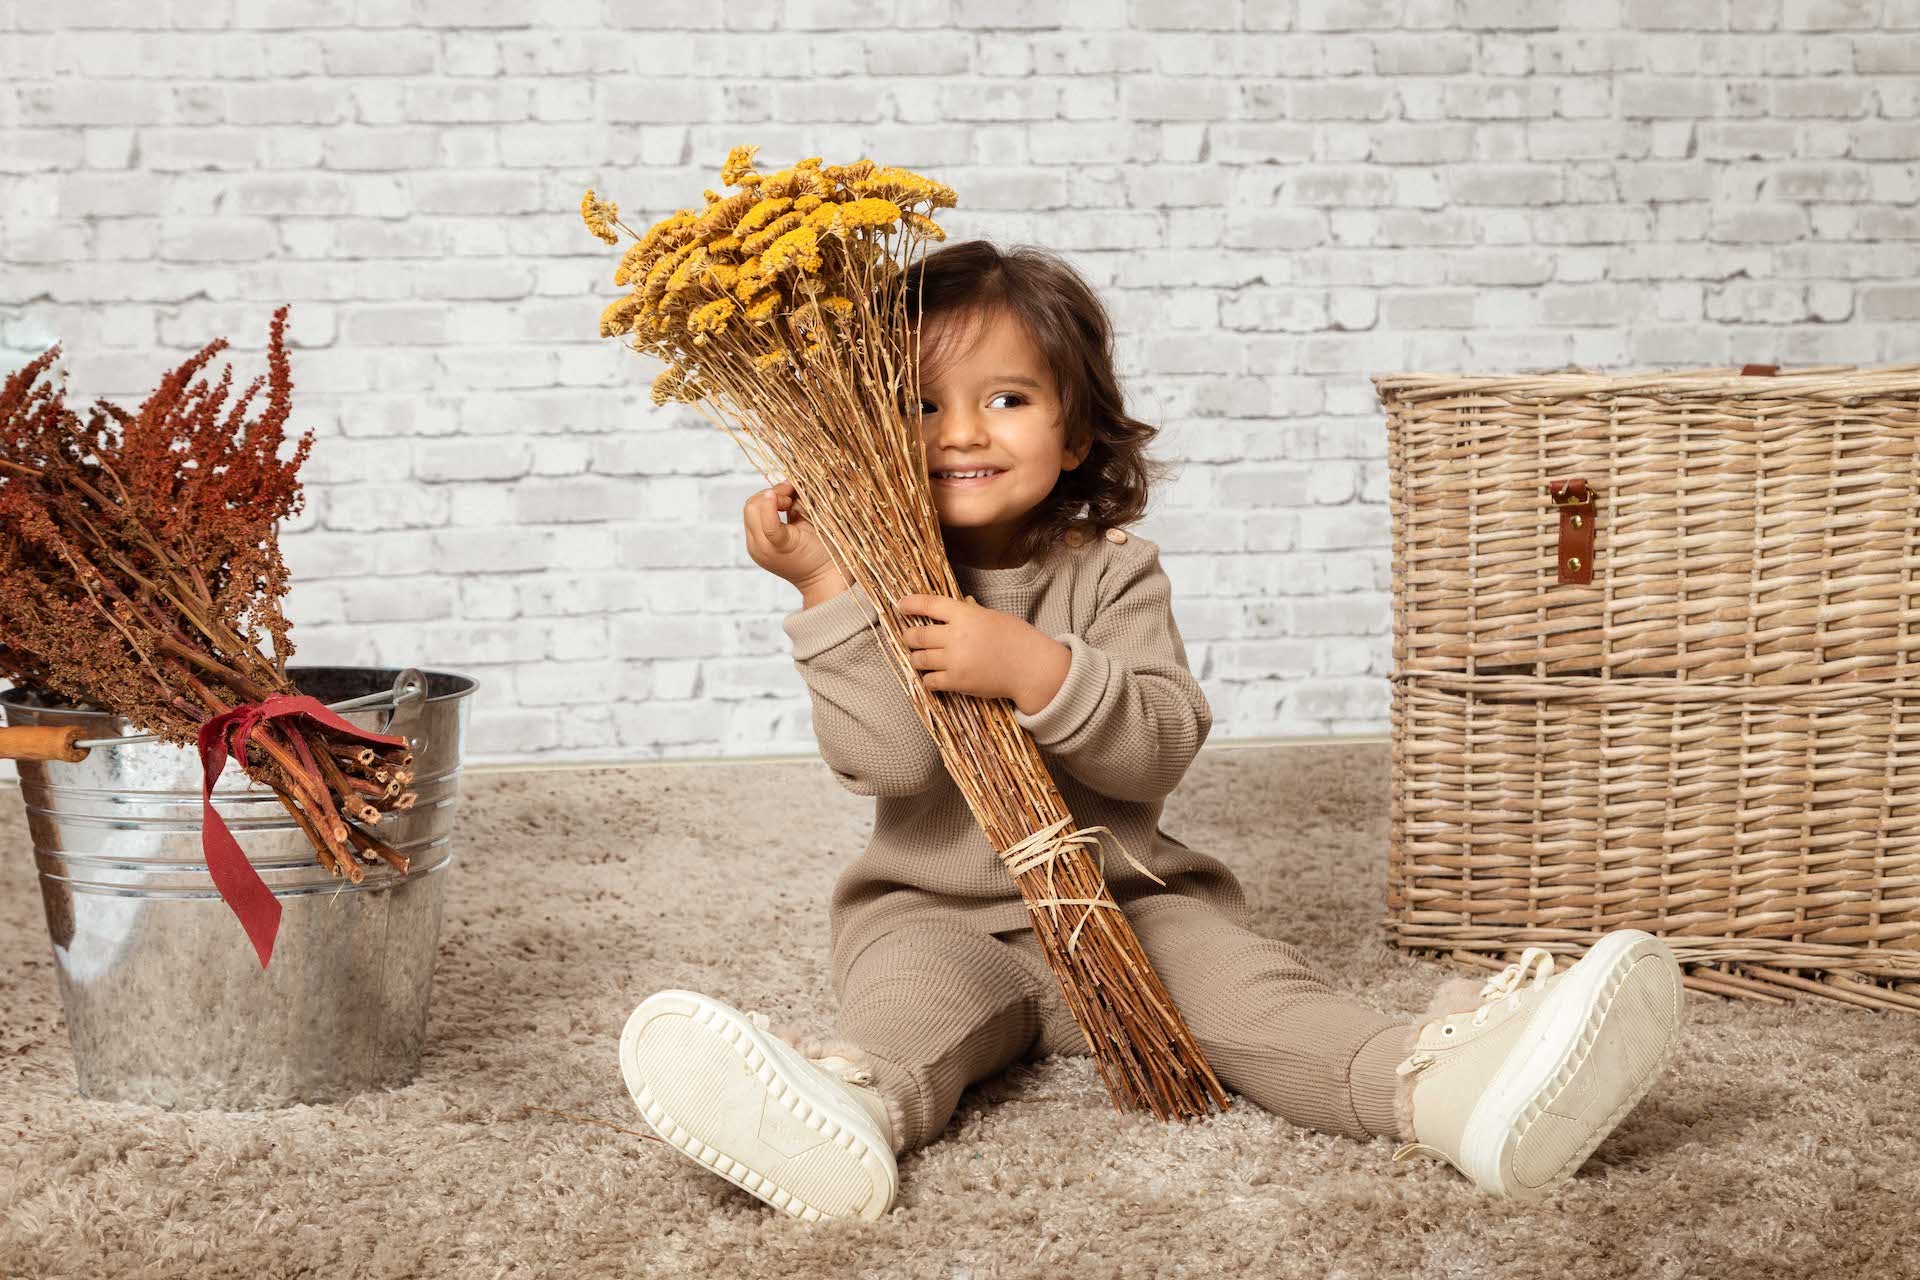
point(939, 1006)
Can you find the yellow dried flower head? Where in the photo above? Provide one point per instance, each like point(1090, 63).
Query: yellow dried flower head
point(719, 217)
point(805, 318)
point(798, 249)
point(839, 306)
point(599, 216)
point(739, 163)
point(811, 162)
point(868, 212)
point(689, 269)
point(808, 203)
point(923, 224)
point(631, 264)
point(678, 230)
point(800, 180)
point(711, 195)
point(662, 237)
point(761, 306)
point(904, 187)
point(749, 281)
point(771, 358)
point(676, 383)
point(655, 286)
point(729, 243)
point(759, 240)
point(846, 174)
point(823, 217)
point(618, 316)
point(759, 216)
point(711, 318)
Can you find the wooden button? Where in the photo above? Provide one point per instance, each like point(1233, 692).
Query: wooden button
point(1116, 536)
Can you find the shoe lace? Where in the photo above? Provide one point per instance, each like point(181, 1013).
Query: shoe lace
point(1506, 984)
point(837, 1066)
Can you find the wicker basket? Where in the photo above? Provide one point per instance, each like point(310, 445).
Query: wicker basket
point(1706, 726)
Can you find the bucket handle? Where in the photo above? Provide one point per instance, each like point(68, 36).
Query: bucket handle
point(42, 742)
point(409, 694)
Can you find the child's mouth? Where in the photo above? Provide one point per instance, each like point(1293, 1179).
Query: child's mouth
point(966, 477)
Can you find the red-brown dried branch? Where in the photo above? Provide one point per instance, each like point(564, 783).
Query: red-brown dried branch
point(140, 573)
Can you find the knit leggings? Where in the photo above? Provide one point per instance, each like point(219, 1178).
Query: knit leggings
point(938, 1006)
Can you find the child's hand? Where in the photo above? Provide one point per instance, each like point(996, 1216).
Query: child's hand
point(969, 648)
point(792, 549)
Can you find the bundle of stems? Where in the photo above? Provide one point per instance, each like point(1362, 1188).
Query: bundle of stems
point(140, 571)
point(781, 311)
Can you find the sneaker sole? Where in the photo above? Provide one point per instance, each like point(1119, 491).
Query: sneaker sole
point(1564, 1089)
point(711, 1083)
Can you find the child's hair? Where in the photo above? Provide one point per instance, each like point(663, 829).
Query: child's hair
point(1068, 323)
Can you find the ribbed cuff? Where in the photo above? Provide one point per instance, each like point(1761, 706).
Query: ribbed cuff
point(1079, 694)
point(815, 630)
point(906, 1105)
point(1374, 1081)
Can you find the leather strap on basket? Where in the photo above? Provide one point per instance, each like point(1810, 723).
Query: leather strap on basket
point(1575, 501)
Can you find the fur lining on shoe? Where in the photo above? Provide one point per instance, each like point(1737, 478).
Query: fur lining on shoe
point(1403, 1106)
point(816, 1047)
point(1454, 995)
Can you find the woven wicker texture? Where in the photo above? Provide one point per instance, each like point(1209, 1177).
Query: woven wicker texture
point(1718, 738)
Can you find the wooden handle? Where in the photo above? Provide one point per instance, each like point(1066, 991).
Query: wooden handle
point(42, 742)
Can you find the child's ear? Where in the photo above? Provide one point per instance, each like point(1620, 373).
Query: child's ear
point(1077, 454)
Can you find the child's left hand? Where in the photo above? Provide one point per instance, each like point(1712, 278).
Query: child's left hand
point(969, 648)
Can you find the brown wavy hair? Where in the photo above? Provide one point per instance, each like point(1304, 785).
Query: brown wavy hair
point(1066, 320)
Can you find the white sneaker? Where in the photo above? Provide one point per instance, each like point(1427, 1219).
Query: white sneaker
point(1516, 1085)
point(723, 1088)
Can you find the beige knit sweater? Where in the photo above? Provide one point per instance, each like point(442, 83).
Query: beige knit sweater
point(1116, 738)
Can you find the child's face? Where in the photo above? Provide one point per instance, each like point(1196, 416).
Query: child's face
point(989, 404)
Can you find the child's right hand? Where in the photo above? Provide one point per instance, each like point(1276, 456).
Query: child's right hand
point(793, 549)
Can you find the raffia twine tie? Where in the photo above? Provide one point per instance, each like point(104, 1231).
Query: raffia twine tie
point(1045, 846)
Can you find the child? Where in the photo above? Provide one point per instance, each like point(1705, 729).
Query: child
point(940, 979)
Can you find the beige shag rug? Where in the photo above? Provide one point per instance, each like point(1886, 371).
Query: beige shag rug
point(1782, 1142)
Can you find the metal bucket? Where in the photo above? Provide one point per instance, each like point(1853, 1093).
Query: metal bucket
point(165, 998)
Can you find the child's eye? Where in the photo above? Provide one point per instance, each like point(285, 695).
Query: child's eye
point(927, 407)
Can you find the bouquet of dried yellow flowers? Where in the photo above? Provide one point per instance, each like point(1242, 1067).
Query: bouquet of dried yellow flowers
point(781, 311)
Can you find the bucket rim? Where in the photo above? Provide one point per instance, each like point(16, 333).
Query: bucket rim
point(466, 686)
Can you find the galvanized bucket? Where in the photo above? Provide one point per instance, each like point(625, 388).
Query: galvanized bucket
point(165, 998)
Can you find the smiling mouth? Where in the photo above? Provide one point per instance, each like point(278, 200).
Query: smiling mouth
point(966, 477)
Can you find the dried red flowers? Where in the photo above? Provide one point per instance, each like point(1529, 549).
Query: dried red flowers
point(140, 573)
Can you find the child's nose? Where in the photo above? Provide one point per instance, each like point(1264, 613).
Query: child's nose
point(958, 427)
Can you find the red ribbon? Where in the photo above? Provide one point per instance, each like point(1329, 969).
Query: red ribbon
point(239, 884)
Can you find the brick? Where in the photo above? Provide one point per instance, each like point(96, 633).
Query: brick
point(660, 101)
point(400, 600)
point(93, 102)
point(221, 240)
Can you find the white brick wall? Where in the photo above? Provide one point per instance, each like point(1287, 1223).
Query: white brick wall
point(1277, 200)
